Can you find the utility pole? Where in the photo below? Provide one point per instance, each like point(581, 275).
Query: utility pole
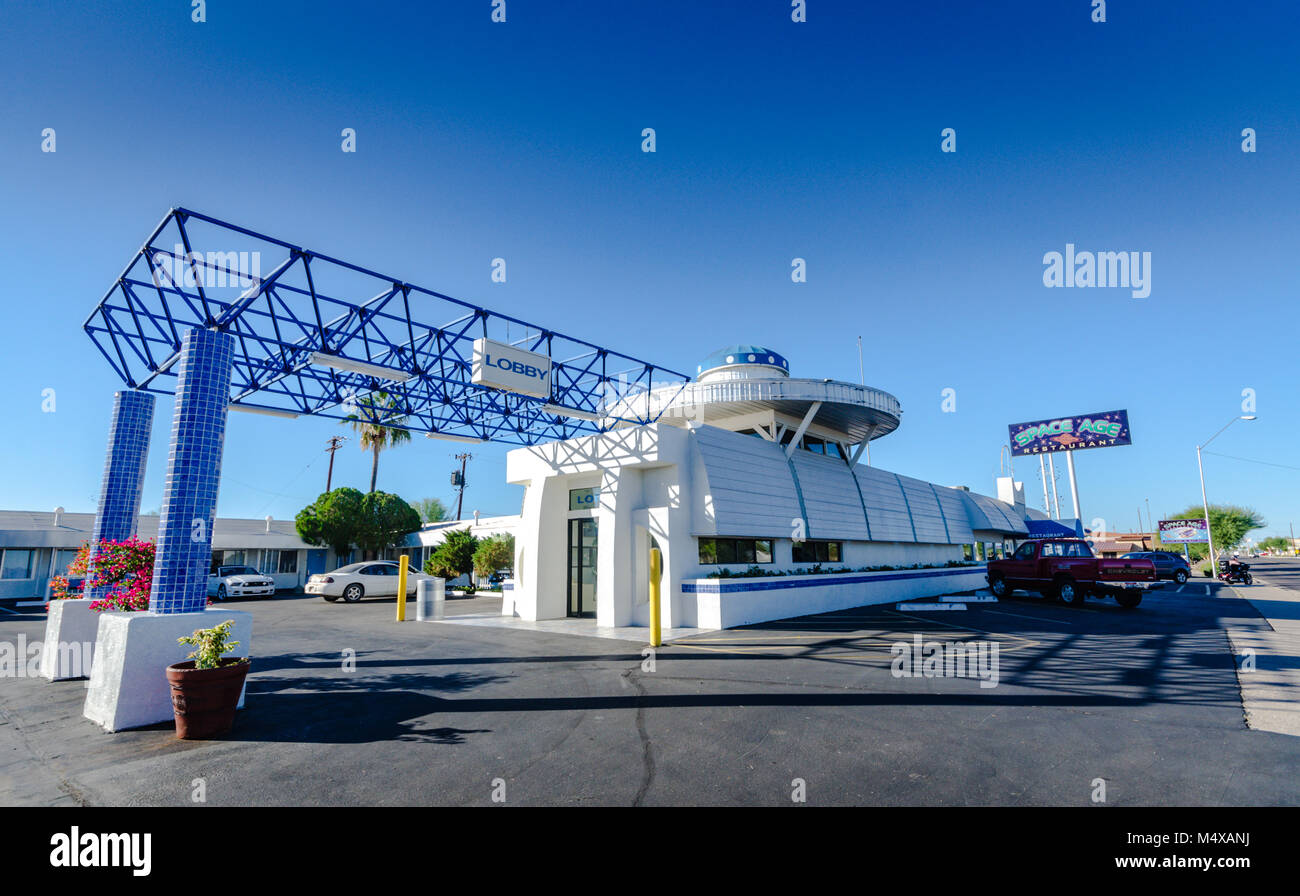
point(333, 445)
point(458, 480)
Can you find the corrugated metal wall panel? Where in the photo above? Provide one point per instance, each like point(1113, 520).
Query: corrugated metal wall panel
point(750, 482)
point(924, 506)
point(954, 510)
point(886, 508)
point(834, 508)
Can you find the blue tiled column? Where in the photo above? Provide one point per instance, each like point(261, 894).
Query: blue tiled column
point(189, 507)
point(128, 450)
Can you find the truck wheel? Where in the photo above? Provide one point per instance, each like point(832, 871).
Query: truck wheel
point(998, 585)
point(1128, 599)
point(1180, 577)
point(1068, 591)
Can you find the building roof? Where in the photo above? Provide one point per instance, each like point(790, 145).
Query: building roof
point(36, 529)
point(755, 491)
point(484, 527)
point(743, 354)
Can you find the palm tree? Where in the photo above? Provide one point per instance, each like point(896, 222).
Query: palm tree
point(376, 436)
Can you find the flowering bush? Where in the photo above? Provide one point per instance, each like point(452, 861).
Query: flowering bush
point(125, 568)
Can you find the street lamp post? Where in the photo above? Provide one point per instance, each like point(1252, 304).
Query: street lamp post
point(1209, 536)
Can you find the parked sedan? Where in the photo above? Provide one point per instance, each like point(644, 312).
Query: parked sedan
point(373, 578)
point(1168, 564)
point(239, 581)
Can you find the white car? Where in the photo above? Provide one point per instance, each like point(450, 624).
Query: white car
point(239, 581)
point(373, 578)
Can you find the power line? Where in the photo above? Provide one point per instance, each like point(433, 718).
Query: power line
point(1250, 460)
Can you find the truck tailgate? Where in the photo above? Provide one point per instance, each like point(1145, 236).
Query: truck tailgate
point(1125, 570)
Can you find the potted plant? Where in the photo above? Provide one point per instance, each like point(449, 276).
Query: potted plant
point(206, 688)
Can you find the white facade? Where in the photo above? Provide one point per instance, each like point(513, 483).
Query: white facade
point(770, 477)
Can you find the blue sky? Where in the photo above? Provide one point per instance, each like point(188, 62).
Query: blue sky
point(775, 140)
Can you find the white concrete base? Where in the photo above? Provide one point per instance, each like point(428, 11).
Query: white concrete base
point(128, 684)
point(70, 633)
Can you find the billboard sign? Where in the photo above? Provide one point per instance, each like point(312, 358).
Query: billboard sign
point(1184, 531)
point(1104, 430)
point(501, 366)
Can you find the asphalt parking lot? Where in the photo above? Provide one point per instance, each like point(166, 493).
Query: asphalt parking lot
point(435, 713)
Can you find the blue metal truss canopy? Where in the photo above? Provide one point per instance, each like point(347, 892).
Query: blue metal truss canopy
point(315, 335)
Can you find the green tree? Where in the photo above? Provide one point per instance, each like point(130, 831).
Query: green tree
point(345, 517)
point(454, 557)
point(1275, 543)
point(333, 520)
point(379, 424)
point(431, 510)
point(494, 553)
point(385, 520)
point(1228, 526)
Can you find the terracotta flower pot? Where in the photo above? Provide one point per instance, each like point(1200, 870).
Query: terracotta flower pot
point(204, 700)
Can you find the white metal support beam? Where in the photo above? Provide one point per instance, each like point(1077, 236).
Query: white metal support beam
point(803, 427)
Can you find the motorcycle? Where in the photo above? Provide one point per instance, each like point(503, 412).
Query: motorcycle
point(1234, 572)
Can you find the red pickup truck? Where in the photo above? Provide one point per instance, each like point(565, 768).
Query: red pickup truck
point(1065, 568)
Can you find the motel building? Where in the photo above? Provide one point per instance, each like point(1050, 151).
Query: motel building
point(747, 470)
point(35, 547)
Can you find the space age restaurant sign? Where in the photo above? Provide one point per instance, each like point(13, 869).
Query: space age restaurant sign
point(502, 366)
point(1192, 531)
point(1070, 433)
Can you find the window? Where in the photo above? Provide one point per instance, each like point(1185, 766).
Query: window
point(270, 559)
point(817, 551)
point(16, 565)
point(288, 562)
point(822, 446)
point(968, 552)
point(62, 558)
point(735, 550)
point(1026, 551)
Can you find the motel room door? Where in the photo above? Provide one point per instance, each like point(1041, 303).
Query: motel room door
point(582, 568)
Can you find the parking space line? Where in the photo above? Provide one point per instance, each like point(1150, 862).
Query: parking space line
point(1034, 618)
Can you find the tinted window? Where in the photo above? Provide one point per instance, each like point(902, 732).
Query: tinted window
point(1026, 551)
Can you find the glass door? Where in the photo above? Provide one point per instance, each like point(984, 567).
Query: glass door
point(582, 568)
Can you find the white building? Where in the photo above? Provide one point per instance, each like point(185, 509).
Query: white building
point(748, 470)
point(35, 546)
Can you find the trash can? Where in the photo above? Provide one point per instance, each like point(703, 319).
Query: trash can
point(430, 598)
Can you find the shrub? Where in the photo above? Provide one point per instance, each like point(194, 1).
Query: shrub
point(212, 643)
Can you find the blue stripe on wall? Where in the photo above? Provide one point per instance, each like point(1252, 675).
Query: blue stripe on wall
point(778, 584)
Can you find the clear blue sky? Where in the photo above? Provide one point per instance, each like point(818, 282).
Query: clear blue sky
point(775, 140)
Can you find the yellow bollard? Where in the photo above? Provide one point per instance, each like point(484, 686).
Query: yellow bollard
point(656, 564)
point(402, 564)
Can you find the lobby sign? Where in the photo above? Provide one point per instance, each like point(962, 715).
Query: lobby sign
point(1104, 430)
point(1184, 531)
point(501, 366)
